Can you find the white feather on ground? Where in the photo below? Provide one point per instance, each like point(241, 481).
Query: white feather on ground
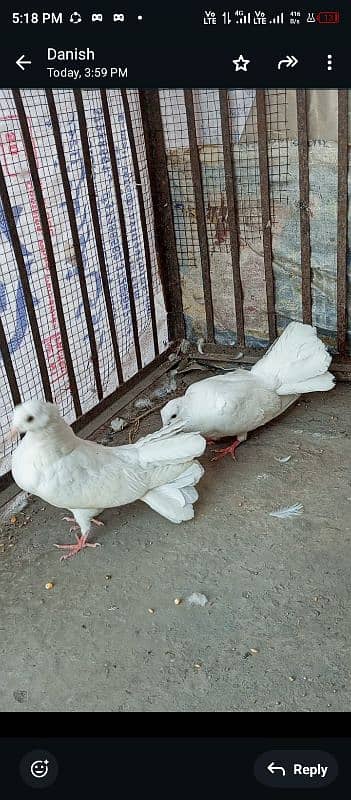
point(240, 401)
point(166, 388)
point(118, 424)
point(143, 402)
point(292, 511)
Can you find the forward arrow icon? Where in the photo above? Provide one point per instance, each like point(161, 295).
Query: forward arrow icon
point(289, 61)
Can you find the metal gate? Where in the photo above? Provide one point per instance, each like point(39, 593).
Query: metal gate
point(103, 222)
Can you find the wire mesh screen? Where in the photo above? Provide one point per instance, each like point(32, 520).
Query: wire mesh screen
point(109, 333)
point(259, 185)
point(243, 122)
point(243, 117)
point(244, 145)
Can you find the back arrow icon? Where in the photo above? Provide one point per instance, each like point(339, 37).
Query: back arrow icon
point(272, 768)
point(20, 63)
point(289, 61)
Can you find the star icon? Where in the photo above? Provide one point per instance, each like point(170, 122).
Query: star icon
point(241, 63)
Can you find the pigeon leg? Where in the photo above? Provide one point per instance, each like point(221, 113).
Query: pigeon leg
point(97, 522)
point(73, 527)
point(73, 549)
point(226, 451)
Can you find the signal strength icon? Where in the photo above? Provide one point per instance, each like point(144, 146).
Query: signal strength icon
point(243, 19)
point(278, 20)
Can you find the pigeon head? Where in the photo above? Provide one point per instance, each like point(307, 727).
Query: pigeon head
point(171, 412)
point(33, 415)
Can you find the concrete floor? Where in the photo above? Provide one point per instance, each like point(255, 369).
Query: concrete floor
point(275, 634)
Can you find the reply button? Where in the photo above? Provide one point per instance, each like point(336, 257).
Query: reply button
point(294, 769)
point(311, 772)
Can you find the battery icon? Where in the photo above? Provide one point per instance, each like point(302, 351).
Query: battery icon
point(328, 17)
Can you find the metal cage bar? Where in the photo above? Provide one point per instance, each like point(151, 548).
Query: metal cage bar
point(232, 214)
point(304, 188)
point(96, 225)
point(10, 372)
point(200, 212)
point(27, 293)
point(342, 220)
point(122, 221)
point(163, 214)
point(75, 239)
point(266, 210)
point(142, 216)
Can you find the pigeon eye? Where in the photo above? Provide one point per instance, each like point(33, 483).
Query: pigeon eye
point(29, 419)
point(173, 416)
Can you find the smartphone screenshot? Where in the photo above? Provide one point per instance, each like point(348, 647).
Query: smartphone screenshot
point(175, 393)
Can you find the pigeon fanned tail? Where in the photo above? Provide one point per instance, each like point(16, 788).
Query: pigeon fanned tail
point(297, 363)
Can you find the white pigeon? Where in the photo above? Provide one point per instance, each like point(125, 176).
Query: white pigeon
point(86, 477)
point(238, 402)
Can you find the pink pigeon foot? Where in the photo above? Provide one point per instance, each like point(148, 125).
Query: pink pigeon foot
point(76, 548)
point(226, 451)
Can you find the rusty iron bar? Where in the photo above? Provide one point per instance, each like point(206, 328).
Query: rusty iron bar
point(342, 221)
point(200, 212)
point(10, 372)
point(266, 210)
point(137, 176)
point(49, 251)
point(304, 185)
point(229, 171)
point(75, 238)
point(25, 287)
point(162, 206)
point(96, 226)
